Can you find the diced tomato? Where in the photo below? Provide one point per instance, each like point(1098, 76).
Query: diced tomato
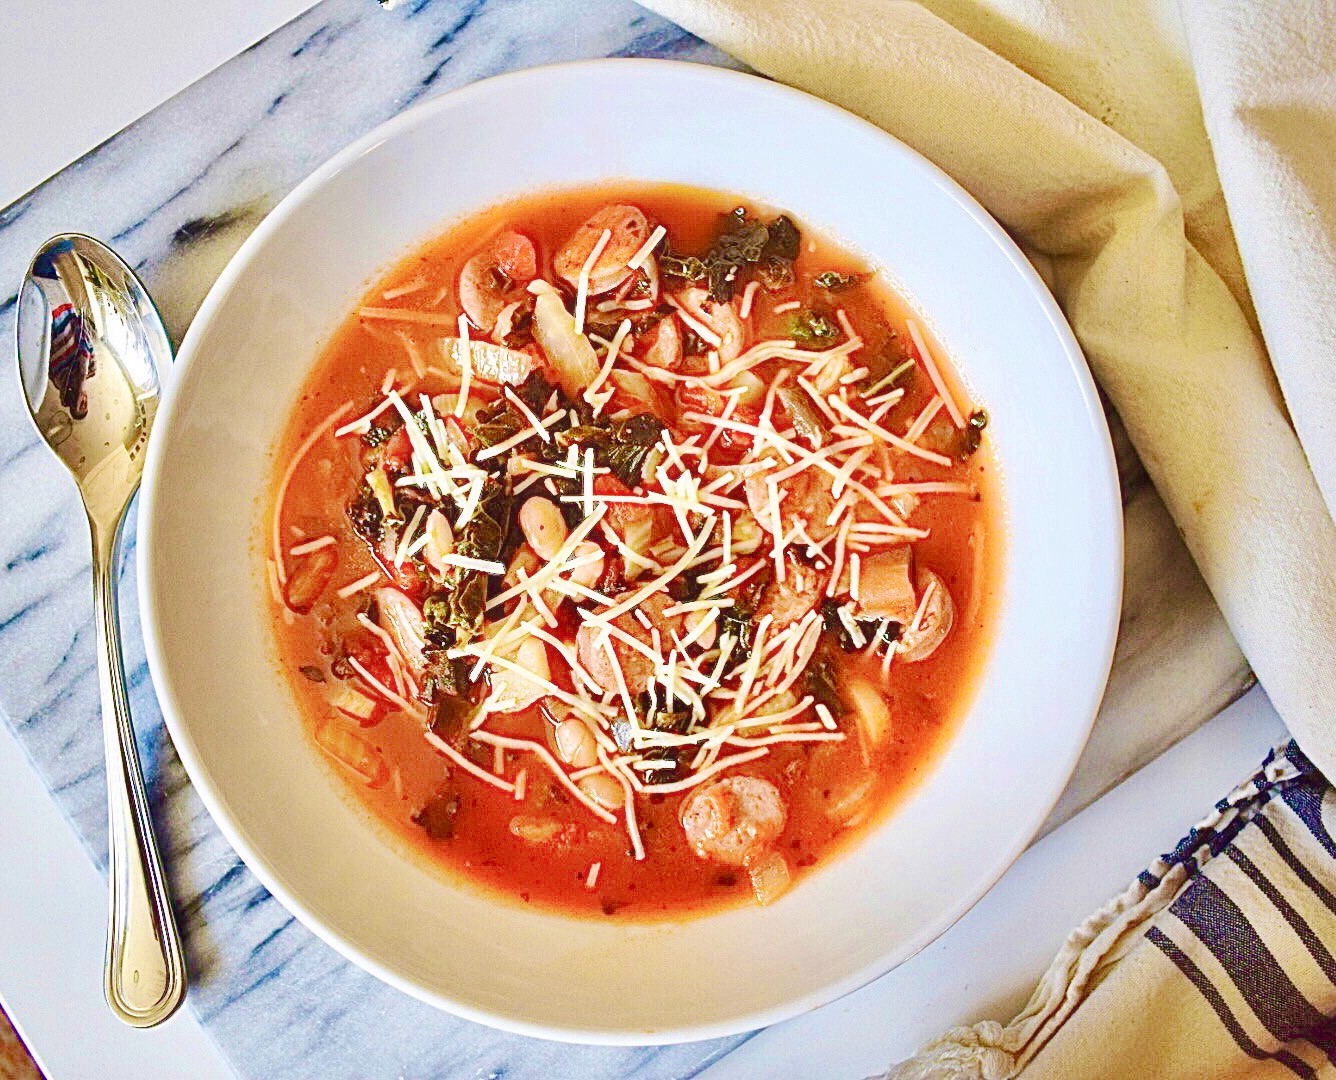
point(410, 578)
point(398, 452)
point(613, 580)
point(607, 484)
point(407, 575)
point(369, 651)
point(628, 519)
point(694, 398)
point(731, 445)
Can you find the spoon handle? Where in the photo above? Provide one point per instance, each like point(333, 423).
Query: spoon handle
point(145, 969)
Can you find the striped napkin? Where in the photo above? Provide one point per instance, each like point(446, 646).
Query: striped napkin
point(1212, 964)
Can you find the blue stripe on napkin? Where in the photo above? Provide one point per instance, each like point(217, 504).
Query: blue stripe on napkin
point(1233, 908)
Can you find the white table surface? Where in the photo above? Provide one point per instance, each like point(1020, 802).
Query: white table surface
point(136, 53)
point(52, 901)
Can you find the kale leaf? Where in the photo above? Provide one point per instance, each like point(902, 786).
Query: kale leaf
point(439, 815)
point(972, 436)
point(960, 443)
point(819, 680)
point(620, 445)
point(454, 612)
point(739, 622)
point(673, 717)
point(784, 240)
point(366, 516)
point(830, 616)
point(744, 246)
point(500, 420)
point(688, 267)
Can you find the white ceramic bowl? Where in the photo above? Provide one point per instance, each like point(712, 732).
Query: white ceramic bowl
point(233, 718)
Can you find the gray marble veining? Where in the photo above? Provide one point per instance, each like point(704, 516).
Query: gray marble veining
point(176, 194)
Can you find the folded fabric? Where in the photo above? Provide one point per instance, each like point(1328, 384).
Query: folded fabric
point(1211, 964)
point(1148, 278)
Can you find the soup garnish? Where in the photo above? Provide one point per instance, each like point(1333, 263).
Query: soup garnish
point(628, 555)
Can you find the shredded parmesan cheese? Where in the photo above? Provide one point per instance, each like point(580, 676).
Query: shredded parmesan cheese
point(633, 263)
point(296, 459)
point(408, 315)
point(748, 297)
point(468, 766)
point(582, 282)
point(465, 355)
point(545, 755)
point(311, 545)
point(939, 383)
point(357, 586)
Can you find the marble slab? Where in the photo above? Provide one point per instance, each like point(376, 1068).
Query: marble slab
point(177, 193)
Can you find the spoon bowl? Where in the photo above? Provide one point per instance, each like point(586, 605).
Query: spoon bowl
point(90, 343)
point(90, 346)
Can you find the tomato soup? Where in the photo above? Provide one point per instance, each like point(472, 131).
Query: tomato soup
point(631, 550)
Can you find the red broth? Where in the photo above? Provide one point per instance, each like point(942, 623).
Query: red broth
point(537, 843)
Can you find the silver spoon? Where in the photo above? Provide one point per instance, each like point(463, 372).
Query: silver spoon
point(90, 345)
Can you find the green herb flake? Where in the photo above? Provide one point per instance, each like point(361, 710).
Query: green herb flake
point(834, 281)
point(811, 329)
point(439, 816)
point(373, 437)
point(972, 436)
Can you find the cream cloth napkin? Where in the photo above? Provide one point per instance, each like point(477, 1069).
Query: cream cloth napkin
point(1077, 124)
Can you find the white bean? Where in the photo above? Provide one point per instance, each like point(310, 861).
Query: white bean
point(588, 574)
point(604, 790)
point(535, 830)
point(574, 743)
point(543, 526)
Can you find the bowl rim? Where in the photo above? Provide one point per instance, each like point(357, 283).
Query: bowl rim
point(1106, 590)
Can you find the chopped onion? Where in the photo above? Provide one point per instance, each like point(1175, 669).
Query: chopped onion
point(570, 353)
point(351, 751)
point(770, 877)
point(491, 363)
point(352, 702)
